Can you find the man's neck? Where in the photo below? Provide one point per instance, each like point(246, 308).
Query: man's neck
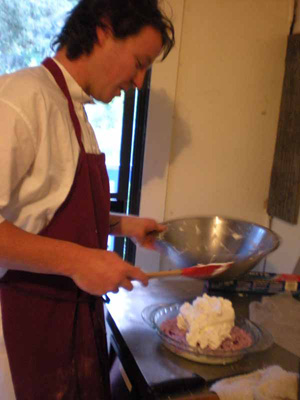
point(76, 68)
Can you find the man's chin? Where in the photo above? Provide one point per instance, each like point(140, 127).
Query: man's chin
point(109, 97)
point(105, 100)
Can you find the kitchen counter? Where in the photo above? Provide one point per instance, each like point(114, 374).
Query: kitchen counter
point(152, 370)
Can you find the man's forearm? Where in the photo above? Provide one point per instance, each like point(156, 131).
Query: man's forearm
point(122, 224)
point(115, 224)
point(95, 271)
point(138, 229)
point(25, 251)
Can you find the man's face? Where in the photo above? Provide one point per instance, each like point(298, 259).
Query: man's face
point(117, 65)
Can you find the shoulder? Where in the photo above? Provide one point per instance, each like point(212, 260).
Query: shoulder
point(28, 88)
point(32, 93)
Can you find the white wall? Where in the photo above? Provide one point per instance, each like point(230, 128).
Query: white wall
point(214, 112)
point(227, 105)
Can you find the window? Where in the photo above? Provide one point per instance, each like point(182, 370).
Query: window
point(26, 30)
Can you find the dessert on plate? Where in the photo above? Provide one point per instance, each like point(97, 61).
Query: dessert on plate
point(206, 330)
point(208, 324)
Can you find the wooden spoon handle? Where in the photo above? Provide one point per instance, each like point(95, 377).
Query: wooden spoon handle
point(161, 274)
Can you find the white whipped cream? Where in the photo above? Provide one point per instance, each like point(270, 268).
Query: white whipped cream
point(208, 321)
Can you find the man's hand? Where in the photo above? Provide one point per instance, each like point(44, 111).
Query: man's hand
point(101, 271)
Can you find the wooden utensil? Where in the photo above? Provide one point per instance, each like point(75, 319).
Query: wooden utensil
point(200, 271)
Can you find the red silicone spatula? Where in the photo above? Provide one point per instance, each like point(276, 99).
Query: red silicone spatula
point(200, 271)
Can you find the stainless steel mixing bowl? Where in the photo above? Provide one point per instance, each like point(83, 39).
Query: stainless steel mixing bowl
point(215, 239)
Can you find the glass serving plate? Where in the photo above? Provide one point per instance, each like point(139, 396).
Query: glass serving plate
point(155, 315)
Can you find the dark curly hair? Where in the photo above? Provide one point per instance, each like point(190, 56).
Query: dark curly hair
point(124, 17)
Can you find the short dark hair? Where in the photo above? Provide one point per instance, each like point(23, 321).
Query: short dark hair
point(124, 17)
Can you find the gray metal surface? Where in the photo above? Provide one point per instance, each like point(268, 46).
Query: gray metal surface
point(142, 346)
point(216, 239)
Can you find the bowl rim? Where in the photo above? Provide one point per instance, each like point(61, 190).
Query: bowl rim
point(210, 216)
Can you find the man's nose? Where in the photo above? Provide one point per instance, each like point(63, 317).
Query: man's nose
point(139, 78)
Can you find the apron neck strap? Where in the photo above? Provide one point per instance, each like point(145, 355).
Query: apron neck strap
point(57, 74)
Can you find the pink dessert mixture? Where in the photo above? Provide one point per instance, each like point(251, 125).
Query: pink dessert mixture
point(240, 339)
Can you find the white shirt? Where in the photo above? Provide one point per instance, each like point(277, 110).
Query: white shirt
point(38, 157)
point(38, 145)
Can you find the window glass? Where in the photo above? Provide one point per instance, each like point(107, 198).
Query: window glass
point(27, 28)
point(107, 121)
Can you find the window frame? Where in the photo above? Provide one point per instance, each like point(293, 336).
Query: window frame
point(127, 199)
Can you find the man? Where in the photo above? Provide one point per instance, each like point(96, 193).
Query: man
point(54, 201)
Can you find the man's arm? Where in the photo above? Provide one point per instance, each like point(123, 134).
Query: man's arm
point(94, 271)
point(134, 227)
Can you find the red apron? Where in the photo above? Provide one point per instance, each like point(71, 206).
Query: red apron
point(54, 332)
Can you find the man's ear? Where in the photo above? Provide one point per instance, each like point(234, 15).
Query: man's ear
point(103, 33)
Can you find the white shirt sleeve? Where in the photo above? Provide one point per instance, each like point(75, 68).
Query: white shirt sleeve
point(17, 151)
point(16, 154)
